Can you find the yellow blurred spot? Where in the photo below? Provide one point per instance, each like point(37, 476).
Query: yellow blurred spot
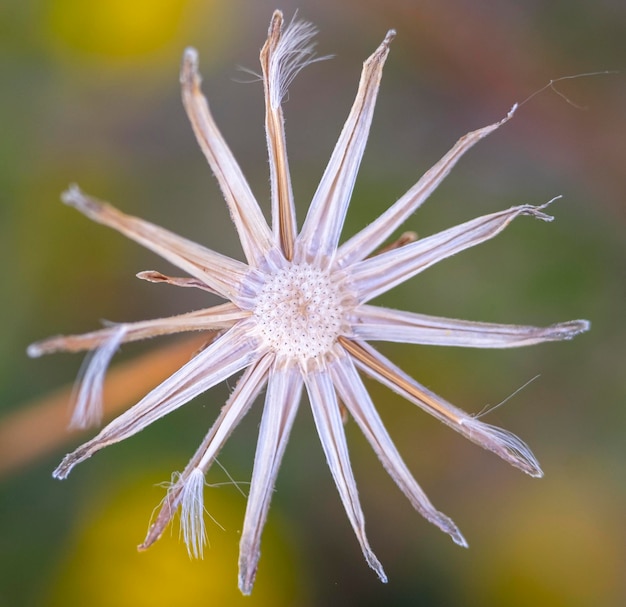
point(104, 568)
point(556, 546)
point(116, 28)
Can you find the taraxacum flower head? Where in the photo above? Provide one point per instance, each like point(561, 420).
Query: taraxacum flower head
point(297, 313)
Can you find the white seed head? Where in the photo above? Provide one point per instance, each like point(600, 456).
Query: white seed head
point(293, 326)
point(300, 312)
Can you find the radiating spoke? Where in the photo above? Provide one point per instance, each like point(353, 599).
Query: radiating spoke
point(254, 233)
point(238, 404)
point(283, 55)
point(222, 274)
point(324, 221)
point(384, 324)
point(382, 272)
point(281, 404)
point(373, 236)
point(499, 441)
point(358, 402)
point(210, 319)
point(328, 421)
point(224, 357)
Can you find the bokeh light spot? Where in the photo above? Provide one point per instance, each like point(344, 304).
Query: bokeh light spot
point(103, 567)
point(116, 28)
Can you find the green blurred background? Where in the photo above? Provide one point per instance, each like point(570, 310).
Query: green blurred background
point(90, 94)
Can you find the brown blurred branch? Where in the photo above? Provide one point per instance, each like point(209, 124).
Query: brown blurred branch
point(39, 427)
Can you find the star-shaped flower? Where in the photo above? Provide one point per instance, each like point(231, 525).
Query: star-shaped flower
point(297, 313)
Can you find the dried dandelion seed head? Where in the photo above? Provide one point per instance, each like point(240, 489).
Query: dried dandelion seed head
point(296, 314)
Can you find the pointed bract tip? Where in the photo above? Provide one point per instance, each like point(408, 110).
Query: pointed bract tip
point(75, 197)
point(189, 68)
point(374, 563)
point(459, 540)
point(545, 205)
point(277, 21)
point(536, 211)
point(569, 330)
point(71, 459)
point(62, 471)
point(581, 326)
point(453, 531)
point(391, 34)
point(503, 443)
point(382, 576)
point(190, 55)
point(72, 195)
point(152, 276)
point(34, 351)
point(247, 574)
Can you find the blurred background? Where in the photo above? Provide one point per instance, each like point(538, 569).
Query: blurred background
point(90, 94)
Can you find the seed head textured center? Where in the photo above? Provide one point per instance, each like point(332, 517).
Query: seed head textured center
point(299, 312)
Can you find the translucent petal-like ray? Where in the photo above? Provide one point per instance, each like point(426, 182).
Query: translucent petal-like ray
point(224, 357)
point(88, 408)
point(238, 404)
point(374, 323)
point(358, 402)
point(223, 274)
point(382, 272)
point(329, 424)
point(209, 319)
point(281, 404)
point(192, 515)
point(504, 444)
point(254, 233)
point(370, 238)
point(326, 215)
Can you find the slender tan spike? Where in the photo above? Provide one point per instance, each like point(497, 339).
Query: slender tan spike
point(370, 361)
point(283, 213)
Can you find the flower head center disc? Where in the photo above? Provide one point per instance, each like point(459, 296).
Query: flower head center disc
point(300, 312)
